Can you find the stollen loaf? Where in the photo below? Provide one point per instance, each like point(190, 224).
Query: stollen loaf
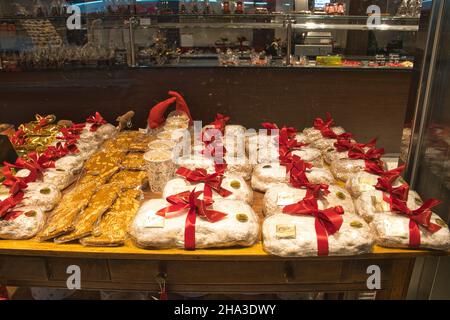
point(240, 226)
point(287, 235)
point(265, 175)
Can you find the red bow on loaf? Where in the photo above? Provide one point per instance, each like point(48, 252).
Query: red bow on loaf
point(212, 181)
point(327, 222)
point(190, 200)
point(418, 217)
point(324, 126)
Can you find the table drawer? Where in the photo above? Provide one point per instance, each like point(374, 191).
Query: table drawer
point(90, 269)
point(14, 268)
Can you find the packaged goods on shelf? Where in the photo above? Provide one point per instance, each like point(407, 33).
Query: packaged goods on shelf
point(265, 175)
point(21, 224)
point(296, 236)
point(236, 185)
point(237, 226)
point(112, 229)
point(99, 203)
point(280, 195)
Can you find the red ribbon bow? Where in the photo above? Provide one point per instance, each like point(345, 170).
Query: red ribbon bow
point(212, 181)
point(324, 126)
point(296, 169)
point(327, 221)
point(417, 217)
point(10, 203)
point(35, 164)
point(97, 121)
point(343, 144)
point(371, 157)
point(385, 184)
point(220, 122)
point(15, 185)
point(18, 139)
point(376, 169)
point(190, 200)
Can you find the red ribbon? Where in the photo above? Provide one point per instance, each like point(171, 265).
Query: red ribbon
point(348, 144)
point(385, 184)
point(327, 221)
point(417, 217)
point(371, 157)
point(324, 126)
point(298, 179)
point(190, 200)
point(97, 121)
point(220, 122)
point(211, 181)
point(18, 139)
point(10, 203)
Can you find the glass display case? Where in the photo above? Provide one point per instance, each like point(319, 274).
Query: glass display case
point(58, 34)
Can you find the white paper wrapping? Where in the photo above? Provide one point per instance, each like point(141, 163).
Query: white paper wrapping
point(72, 163)
point(266, 175)
point(323, 143)
point(364, 181)
point(330, 155)
point(392, 230)
point(313, 134)
point(343, 169)
point(25, 226)
point(151, 231)
point(371, 203)
point(235, 166)
point(60, 178)
point(233, 183)
point(311, 155)
point(43, 195)
point(281, 195)
point(348, 240)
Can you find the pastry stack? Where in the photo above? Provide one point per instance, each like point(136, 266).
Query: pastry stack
point(206, 205)
point(98, 210)
point(33, 185)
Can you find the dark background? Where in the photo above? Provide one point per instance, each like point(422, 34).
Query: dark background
point(369, 103)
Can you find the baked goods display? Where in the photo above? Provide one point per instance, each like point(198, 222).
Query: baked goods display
point(35, 180)
point(174, 223)
point(112, 228)
point(104, 179)
point(325, 193)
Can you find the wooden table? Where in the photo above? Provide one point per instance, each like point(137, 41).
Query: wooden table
point(234, 270)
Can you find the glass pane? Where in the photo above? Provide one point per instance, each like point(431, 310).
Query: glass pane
point(433, 179)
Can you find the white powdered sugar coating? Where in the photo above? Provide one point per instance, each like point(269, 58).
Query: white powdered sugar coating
point(233, 183)
point(343, 169)
point(364, 181)
point(280, 195)
point(71, 163)
point(311, 155)
point(24, 226)
point(60, 178)
point(392, 230)
point(371, 203)
point(349, 240)
point(323, 143)
point(313, 134)
point(266, 175)
point(43, 195)
point(224, 233)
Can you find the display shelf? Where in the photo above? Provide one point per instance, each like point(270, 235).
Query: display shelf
point(230, 270)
